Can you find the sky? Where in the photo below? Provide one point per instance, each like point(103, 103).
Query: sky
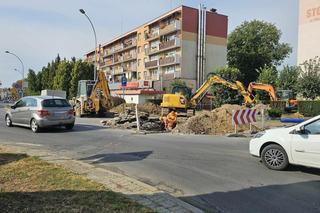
point(37, 30)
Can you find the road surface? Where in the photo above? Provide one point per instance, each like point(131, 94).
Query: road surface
point(214, 173)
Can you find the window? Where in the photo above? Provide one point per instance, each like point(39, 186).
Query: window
point(55, 103)
point(169, 70)
point(139, 36)
point(31, 102)
point(139, 49)
point(139, 75)
point(139, 62)
point(21, 103)
point(313, 128)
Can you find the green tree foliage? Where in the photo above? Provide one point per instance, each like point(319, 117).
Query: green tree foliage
point(223, 94)
point(288, 78)
point(253, 45)
point(32, 80)
point(60, 74)
point(80, 71)
point(309, 81)
point(267, 75)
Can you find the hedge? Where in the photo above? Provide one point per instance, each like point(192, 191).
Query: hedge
point(278, 105)
point(309, 108)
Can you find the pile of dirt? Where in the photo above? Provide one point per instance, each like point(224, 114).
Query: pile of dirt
point(215, 122)
point(150, 108)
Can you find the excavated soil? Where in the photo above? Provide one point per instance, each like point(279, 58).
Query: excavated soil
point(215, 122)
point(147, 107)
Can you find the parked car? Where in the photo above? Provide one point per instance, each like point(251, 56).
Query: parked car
point(38, 112)
point(299, 145)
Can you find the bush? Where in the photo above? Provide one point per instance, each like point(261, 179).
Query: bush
point(309, 108)
point(275, 113)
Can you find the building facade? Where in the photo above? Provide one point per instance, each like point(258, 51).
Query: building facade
point(167, 48)
point(309, 30)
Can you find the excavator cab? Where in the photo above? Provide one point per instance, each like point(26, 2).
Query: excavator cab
point(85, 88)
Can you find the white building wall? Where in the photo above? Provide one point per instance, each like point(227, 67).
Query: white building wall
point(309, 30)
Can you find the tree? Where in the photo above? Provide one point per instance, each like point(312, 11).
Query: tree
point(63, 76)
point(222, 94)
point(309, 81)
point(268, 75)
point(253, 45)
point(288, 78)
point(32, 83)
point(80, 71)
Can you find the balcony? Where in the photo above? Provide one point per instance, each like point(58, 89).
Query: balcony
point(170, 28)
point(164, 46)
point(132, 68)
point(151, 36)
point(170, 60)
point(118, 71)
point(151, 64)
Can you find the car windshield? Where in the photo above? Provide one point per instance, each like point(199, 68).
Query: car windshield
point(55, 103)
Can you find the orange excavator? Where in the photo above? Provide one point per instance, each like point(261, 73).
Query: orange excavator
point(281, 95)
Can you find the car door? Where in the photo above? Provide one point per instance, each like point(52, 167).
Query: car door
point(306, 145)
point(17, 111)
point(27, 111)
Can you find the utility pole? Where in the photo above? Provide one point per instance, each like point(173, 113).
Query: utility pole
point(22, 65)
point(96, 44)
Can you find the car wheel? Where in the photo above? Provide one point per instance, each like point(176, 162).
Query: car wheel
point(34, 126)
point(69, 126)
point(275, 157)
point(8, 121)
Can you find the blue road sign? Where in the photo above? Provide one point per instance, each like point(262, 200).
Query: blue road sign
point(17, 86)
point(124, 81)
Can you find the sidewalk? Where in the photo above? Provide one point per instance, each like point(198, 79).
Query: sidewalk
point(138, 191)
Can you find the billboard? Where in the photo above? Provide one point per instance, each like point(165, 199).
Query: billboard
point(309, 11)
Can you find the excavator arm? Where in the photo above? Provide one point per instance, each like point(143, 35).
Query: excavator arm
point(264, 87)
point(100, 94)
point(218, 80)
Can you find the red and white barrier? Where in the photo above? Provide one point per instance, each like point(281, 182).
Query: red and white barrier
point(244, 116)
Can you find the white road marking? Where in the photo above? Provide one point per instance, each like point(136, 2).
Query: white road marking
point(29, 144)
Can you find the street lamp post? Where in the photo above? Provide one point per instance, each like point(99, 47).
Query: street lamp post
point(22, 65)
point(96, 44)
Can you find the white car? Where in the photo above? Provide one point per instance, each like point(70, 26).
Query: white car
point(299, 145)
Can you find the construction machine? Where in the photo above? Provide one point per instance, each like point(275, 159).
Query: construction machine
point(181, 98)
point(93, 96)
point(281, 95)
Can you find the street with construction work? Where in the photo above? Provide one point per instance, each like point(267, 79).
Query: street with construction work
point(213, 173)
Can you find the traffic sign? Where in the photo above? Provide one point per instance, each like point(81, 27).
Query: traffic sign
point(244, 116)
point(124, 81)
point(17, 86)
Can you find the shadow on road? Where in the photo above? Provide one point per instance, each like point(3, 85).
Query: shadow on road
point(295, 197)
point(118, 157)
point(77, 128)
point(10, 157)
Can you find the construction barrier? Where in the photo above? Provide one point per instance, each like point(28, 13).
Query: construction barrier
point(244, 116)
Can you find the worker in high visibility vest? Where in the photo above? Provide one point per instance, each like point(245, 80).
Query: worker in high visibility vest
point(169, 121)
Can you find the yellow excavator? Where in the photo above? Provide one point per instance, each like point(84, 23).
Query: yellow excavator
point(282, 95)
point(182, 100)
point(93, 97)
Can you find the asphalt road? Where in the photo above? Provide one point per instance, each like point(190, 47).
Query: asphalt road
point(213, 173)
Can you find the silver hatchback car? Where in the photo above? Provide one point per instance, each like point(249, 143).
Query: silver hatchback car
point(37, 112)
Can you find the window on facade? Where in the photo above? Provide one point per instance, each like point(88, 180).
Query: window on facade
point(139, 49)
point(145, 73)
point(139, 36)
point(139, 62)
point(139, 75)
point(169, 70)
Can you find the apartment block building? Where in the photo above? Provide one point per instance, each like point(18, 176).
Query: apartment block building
point(167, 48)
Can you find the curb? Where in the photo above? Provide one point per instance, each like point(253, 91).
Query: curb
point(138, 191)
